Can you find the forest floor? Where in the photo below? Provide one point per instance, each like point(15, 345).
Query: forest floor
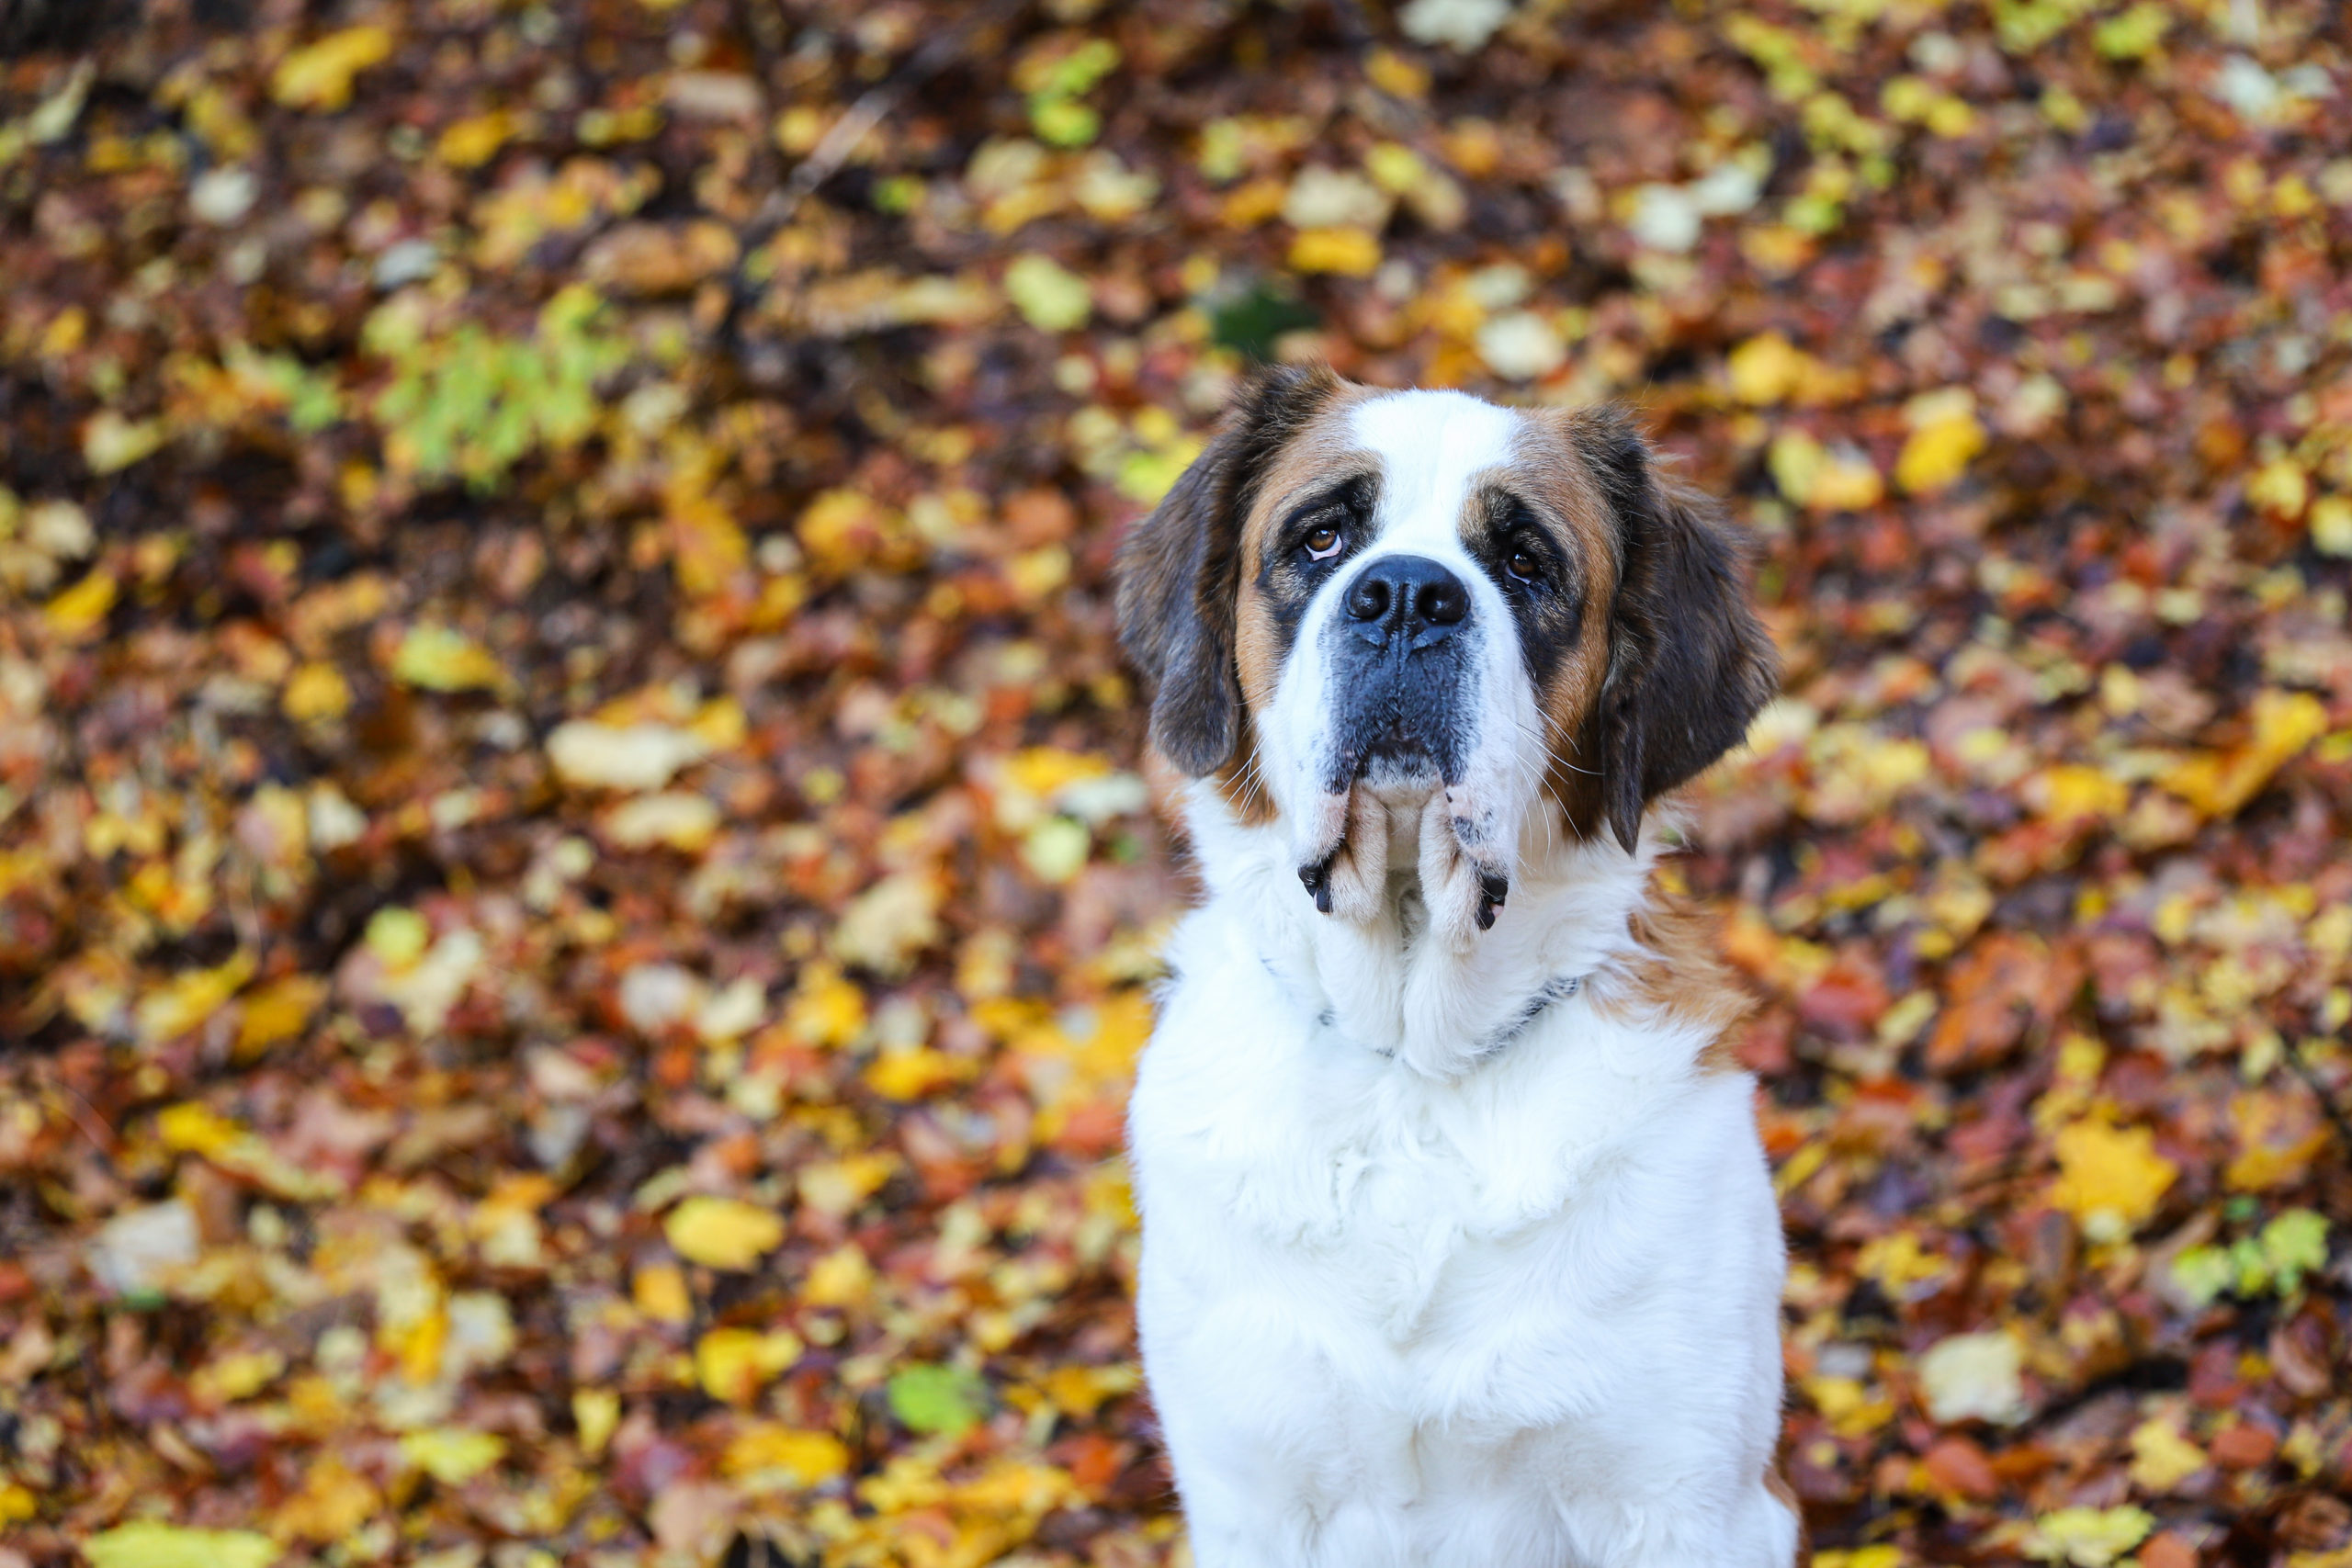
point(575, 904)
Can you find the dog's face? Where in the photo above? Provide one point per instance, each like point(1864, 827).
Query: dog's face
point(1421, 621)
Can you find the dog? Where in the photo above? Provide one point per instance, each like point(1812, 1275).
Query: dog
point(1459, 1245)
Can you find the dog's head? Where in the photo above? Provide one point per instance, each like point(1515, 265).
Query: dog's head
point(1382, 617)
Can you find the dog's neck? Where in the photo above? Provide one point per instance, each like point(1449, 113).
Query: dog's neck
point(1388, 984)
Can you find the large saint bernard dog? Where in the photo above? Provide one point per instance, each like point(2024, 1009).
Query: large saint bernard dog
point(1459, 1247)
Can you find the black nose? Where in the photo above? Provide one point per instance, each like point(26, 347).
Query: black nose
point(1409, 595)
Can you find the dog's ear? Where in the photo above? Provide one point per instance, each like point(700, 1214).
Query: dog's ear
point(1689, 662)
point(1179, 570)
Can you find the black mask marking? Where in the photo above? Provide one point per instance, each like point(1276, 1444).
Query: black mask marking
point(1548, 607)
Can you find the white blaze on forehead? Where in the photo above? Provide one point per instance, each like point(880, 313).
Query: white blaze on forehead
point(1431, 445)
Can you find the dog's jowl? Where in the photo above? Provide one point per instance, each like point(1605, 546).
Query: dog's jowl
point(1459, 1246)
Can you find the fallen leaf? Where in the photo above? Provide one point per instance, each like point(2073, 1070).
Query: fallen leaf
point(146, 1543)
point(319, 76)
point(722, 1233)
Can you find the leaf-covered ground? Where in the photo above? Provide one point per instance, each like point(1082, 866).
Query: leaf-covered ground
point(574, 906)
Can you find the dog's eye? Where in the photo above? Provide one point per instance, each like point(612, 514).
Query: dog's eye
point(1324, 543)
point(1523, 566)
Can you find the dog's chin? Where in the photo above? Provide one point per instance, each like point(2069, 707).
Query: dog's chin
point(1399, 814)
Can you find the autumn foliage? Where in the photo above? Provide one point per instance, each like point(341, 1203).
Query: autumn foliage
point(576, 902)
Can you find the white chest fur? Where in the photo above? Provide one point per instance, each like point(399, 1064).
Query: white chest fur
point(1527, 1316)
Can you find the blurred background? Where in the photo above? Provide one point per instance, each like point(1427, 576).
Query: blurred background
point(575, 908)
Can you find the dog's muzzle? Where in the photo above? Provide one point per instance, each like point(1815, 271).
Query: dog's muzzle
point(1399, 668)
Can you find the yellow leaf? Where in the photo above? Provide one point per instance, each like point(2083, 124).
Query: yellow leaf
point(441, 659)
point(826, 1009)
point(676, 818)
point(1820, 479)
point(2069, 792)
point(148, 1543)
point(2162, 1458)
point(722, 1233)
point(1763, 369)
point(1350, 252)
point(734, 1364)
point(470, 142)
point(2111, 1178)
point(452, 1455)
point(2219, 783)
point(316, 690)
point(398, 937)
point(842, 1278)
point(334, 1501)
point(1248, 205)
point(1395, 75)
point(1846, 1405)
point(2330, 523)
point(767, 1453)
point(239, 1374)
point(184, 1001)
point(193, 1128)
point(2278, 1138)
point(1009, 1486)
point(111, 443)
point(277, 1011)
point(595, 1412)
point(1079, 1392)
point(1945, 434)
point(707, 547)
point(846, 529)
point(1898, 1262)
point(77, 614)
point(2281, 488)
point(319, 76)
point(912, 1074)
point(2088, 1538)
point(660, 1292)
point(1041, 771)
point(837, 1187)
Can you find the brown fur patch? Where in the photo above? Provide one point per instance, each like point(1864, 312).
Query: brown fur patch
point(1678, 974)
point(1245, 794)
point(1177, 570)
point(1313, 452)
point(1552, 468)
point(1688, 664)
point(1778, 1485)
point(1320, 450)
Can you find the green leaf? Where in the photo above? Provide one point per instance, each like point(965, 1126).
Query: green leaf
point(1052, 298)
point(2293, 1244)
point(1249, 322)
point(2203, 1273)
point(1064, 122)
point(946, 1400)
